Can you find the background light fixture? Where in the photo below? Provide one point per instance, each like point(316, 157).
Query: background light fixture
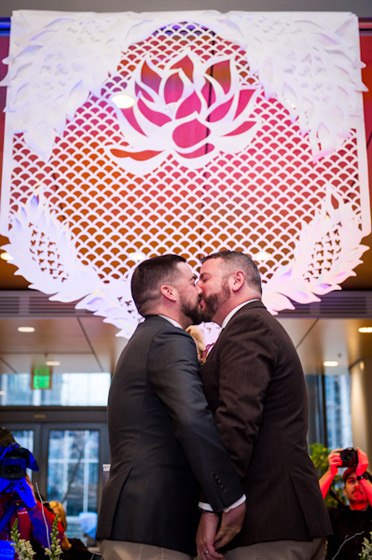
point(137, 256)
point(330, 363)
point(123, 100)
point(365, 329)
point(26, 329)
point(6, 257)
point(262, 256)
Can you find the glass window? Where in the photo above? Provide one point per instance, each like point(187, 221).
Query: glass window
point(68, 389)
point(316, 428)
point(73, 464)
point(338, 411)
point(25, 438)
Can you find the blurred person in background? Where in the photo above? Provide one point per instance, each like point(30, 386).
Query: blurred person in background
point(18, 500)
point(352, 522)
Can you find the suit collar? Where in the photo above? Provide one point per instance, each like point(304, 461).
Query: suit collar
point(163, 318)
point(172, 321)
point(237, 308)
point(252, 304)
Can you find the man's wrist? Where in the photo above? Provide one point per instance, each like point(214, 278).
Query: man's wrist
point(235, 504)
point(203, 511)
point(207, 508)
point(363, 476)
point(204, 507)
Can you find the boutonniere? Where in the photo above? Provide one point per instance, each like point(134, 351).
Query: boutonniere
point(205, 353)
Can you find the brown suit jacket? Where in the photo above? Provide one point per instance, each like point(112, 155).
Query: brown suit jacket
point(255, 387)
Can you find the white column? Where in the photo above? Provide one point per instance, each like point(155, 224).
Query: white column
point(361, 409)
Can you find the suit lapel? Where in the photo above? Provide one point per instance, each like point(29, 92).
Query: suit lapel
point(242, 310)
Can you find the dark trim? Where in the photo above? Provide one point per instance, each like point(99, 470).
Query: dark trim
point(323, 410)
point(4, 26)
point(365, 25)
point(52, 414)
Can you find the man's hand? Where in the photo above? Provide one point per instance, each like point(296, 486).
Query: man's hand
point(25, 491)
point(206, 535)
point(334, 461)
point(231, 524)
point(362, 462)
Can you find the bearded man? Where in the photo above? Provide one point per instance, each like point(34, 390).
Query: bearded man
point(164, 444)
point(255, 387)
point(351, 523)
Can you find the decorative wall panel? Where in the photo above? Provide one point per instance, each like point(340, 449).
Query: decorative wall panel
point(246, 132)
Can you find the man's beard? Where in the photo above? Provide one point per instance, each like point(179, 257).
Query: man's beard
point(192, 312)
point(213, 302)
point(357, 498)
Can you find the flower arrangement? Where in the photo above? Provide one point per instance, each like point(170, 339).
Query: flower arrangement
point(24, 550)
point(55, 551)
point(366, 552)
point(22, 547)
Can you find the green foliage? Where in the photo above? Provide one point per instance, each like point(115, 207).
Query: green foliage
point(319, 456)
point(366, 552)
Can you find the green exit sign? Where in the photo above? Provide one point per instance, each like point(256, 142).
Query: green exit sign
point(41, 378)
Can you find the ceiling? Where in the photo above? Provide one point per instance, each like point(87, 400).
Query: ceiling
point(82, 342)
point(361, 8)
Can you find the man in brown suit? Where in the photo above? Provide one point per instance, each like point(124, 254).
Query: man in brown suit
point(255, 387)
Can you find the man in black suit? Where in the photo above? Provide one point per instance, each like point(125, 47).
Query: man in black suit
point(164, 444)
point(255, 387)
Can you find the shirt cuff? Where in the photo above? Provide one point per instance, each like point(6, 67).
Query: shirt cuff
point(207, 507)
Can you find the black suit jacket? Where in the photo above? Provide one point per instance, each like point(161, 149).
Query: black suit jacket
point(255, 387)
point(164, 443)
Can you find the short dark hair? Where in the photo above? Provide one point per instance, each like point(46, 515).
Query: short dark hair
point(148, 277)
point(236, 259)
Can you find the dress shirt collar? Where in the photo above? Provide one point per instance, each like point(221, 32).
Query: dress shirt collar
point(235, 310)
point(174, 323)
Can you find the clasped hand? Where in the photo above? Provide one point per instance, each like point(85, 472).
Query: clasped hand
point(209, 539)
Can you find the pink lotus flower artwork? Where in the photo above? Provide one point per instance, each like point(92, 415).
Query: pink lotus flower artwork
point(188, 108)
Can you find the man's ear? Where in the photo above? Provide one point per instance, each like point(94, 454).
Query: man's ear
point(237, 280)
point(168, 292)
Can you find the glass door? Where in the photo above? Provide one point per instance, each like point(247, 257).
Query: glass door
point(73, 472)
point(70, 458)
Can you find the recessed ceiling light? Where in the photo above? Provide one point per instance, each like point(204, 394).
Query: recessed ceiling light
point(6, 257)
point(365, 330)
point(123, 100)
point(52, 363)
point(330, 363)
point(26, 329)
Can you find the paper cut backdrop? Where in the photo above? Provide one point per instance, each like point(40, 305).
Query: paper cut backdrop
point(245, 132)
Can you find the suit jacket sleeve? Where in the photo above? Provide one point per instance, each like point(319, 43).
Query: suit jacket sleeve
point(246, 355)
point(173, 372)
